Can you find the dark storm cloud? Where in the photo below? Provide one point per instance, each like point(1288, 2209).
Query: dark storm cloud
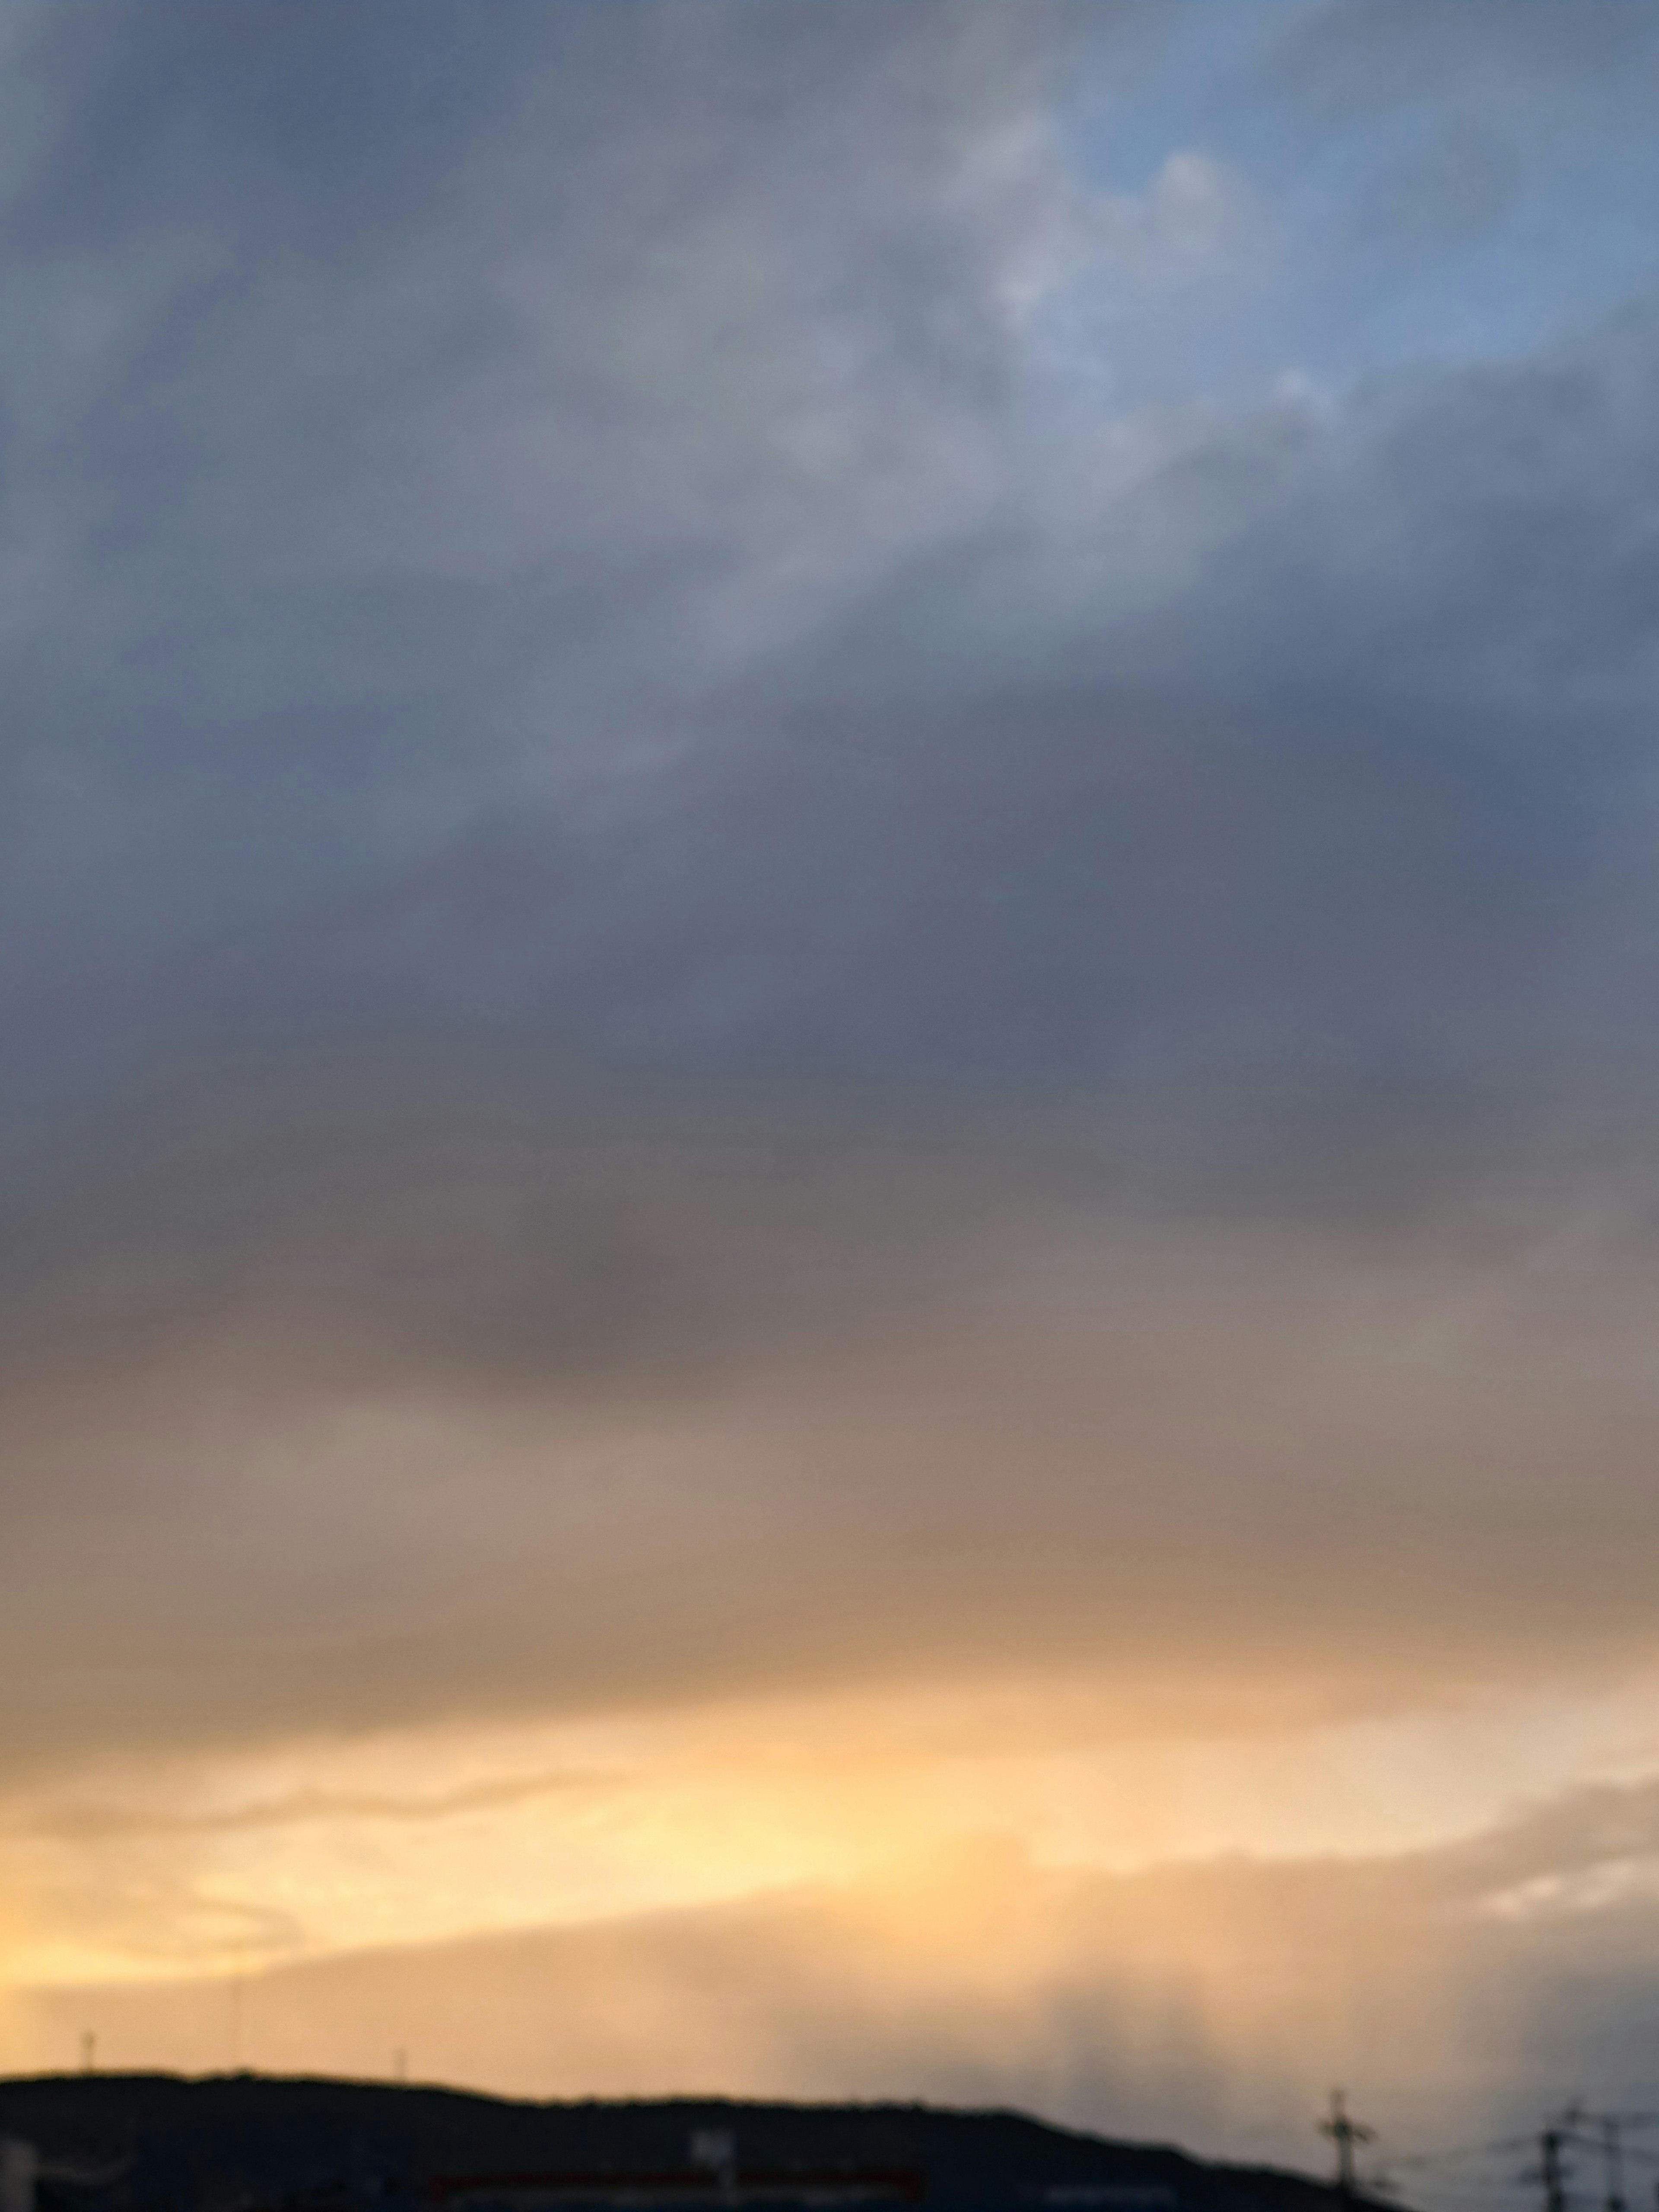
point(545, 543)
point(424, 423)
point(1346, 818)
point(384, 387)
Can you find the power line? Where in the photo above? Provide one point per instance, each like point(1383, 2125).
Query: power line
point(1613, 2162)
point(1627, 2150)
point(1467, 2150)
point(1578, 2128)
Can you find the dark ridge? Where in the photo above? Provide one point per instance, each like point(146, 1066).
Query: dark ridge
point(151, 2142)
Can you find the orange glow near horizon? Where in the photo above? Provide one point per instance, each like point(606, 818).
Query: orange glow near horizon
point(130, 1871)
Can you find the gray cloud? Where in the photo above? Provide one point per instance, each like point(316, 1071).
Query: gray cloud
point(537, 545)
point(84, 1824)
point(396, 466)
point(1350, 824)
point(320, 1423)
point(532, 534)
point(1352, 55)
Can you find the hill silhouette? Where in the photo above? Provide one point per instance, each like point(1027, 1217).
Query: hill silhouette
point(230, 2142)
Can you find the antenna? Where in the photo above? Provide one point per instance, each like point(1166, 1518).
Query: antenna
point(88, 2052)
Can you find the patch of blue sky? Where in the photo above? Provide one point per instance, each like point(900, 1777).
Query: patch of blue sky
point(1447, 218)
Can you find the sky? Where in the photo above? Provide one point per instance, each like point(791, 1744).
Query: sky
point(828, 944)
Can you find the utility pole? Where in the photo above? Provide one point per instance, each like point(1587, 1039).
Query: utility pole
point(1613, 2157)
point(88, 2052)
point(1347, 2135)
point(1549, 2170)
